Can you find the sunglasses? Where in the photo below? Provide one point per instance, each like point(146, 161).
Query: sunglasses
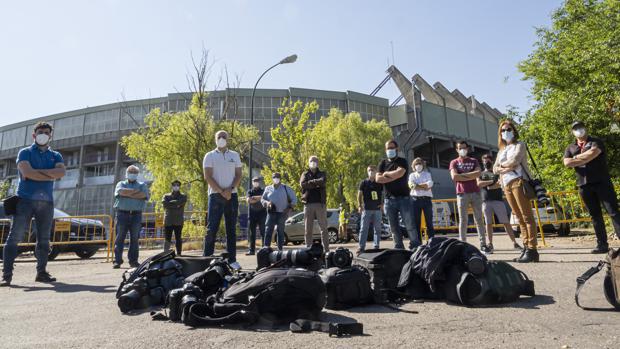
point(506, 129)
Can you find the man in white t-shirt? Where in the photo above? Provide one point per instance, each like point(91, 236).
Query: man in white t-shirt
point(222, 171)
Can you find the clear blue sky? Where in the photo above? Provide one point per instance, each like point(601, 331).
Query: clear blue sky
point(60, 55)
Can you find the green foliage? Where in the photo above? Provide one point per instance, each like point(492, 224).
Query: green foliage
point(575, 75)
point(4, 188)
point(290, 157)
point(173, 145)
point(345, 145)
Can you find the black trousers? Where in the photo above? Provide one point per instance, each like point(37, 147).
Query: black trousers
point(593, 196)
point(178, 241)
point(257, 219)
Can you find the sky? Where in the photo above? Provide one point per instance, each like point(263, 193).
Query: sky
point(57, 56)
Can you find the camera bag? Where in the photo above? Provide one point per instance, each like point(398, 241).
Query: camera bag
point(611, 283)
point(346, 287)
point(384, 267)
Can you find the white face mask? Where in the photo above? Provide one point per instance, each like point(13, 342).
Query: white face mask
point(580, 132)
point(176, 188)
point(462, 152)
point(508, 136)
point(371, 174)
point(276, 181)
point(390, 153)
point(132, 176)
point(221, 142)
point(313, 164)
point(42, 139)
point(418, 168)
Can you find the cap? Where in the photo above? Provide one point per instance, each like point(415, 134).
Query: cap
point(577, 124)
point(257, 179)
point(176, 181)
point(276, 175)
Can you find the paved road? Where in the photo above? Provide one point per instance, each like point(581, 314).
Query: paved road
point(80, 311)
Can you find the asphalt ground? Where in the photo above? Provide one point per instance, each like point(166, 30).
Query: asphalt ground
point(80, 311)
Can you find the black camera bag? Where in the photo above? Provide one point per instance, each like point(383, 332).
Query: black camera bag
point(346, 287)
point(611, 283)
point(384, 267)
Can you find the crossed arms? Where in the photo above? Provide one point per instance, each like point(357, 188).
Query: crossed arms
point(583, 158)
point(52, 174)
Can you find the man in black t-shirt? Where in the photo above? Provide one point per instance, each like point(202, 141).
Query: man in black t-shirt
point(258, 214)
point(588, 157)
point(313, 194)
point(493, 203)
point(370, 204)
point(393, 174)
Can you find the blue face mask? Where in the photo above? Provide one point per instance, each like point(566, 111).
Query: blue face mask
point(132, 176)
point(391, 153)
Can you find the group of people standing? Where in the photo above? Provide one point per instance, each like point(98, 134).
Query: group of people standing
point(389, 188)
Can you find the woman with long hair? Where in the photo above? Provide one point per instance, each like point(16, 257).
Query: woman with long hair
point(511, 165)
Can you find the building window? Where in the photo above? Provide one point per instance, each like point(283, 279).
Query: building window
point(69, 127)
point(102, 121)
point(13, 138)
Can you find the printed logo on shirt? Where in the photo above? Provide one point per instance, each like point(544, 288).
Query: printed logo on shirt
point(465, 166)
point(374, 195)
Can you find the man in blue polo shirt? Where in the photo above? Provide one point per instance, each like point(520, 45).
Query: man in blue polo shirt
point(39, 166)
point(129, 200)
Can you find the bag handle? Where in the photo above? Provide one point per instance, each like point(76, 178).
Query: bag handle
point(581, 281)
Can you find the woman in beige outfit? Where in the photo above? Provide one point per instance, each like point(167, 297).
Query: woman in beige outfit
point(511, 165)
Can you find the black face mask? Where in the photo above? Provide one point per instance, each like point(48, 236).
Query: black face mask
point(488, 165)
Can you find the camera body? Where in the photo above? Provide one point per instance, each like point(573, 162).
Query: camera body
point(341, 258)
point(180, 299)
point(135, 295)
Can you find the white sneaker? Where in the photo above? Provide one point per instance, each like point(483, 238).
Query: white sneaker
point(235, 265)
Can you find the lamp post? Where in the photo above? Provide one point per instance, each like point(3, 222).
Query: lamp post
point(289, 59)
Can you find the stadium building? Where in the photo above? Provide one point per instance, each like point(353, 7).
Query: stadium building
point(425, 125)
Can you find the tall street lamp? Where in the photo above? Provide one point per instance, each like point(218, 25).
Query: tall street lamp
point(289, 59)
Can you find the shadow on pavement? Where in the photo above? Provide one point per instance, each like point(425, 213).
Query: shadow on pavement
point(62, 287)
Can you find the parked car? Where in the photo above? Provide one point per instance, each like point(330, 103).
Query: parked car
point(294, 229)
point(548, 216)
point(81, 229)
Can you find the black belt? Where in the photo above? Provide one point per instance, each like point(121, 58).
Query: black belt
point(130, 212)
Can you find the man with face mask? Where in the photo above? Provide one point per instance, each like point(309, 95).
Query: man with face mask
point(258, 214)
point(174, 216)
point(38, 167)
point(222, 171)
point(464, 171)
point(314, 197)
point(588, 157)
point(370, 203)
point(130, 198)
point(393, 174)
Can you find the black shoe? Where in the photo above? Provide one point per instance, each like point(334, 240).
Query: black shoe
point(490, 249)
point(134, 264)
point(520, 256)
point(6, 282)
point(116, 266)
point(529, 256)
point(44, 277)
point(484, 248)
point(249, 253)
point(600, 250)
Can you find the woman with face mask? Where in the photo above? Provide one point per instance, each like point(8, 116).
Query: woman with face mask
point(511, 165)
point(420, 183)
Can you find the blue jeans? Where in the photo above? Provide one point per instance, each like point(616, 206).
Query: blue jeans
point(43, 214)
point(273, 219)
point(402, 205)
point(423, 204)
point(132, 223)
point(219, 206)
point(370, 217)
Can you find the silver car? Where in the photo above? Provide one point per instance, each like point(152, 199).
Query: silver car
point(294, 229)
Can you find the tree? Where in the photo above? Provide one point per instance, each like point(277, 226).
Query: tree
point(292, 137)
point(575, 72)
point(346, 145)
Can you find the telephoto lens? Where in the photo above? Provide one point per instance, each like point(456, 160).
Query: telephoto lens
point(299, 257)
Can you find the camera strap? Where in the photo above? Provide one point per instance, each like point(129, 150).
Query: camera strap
point(333, 328)
point(581, 282)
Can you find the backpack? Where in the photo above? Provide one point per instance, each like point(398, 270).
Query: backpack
point(502, 283)
point(149, 283)
point(279, 294)
point(346, 287)
point(611, 283)
point(384, 267)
